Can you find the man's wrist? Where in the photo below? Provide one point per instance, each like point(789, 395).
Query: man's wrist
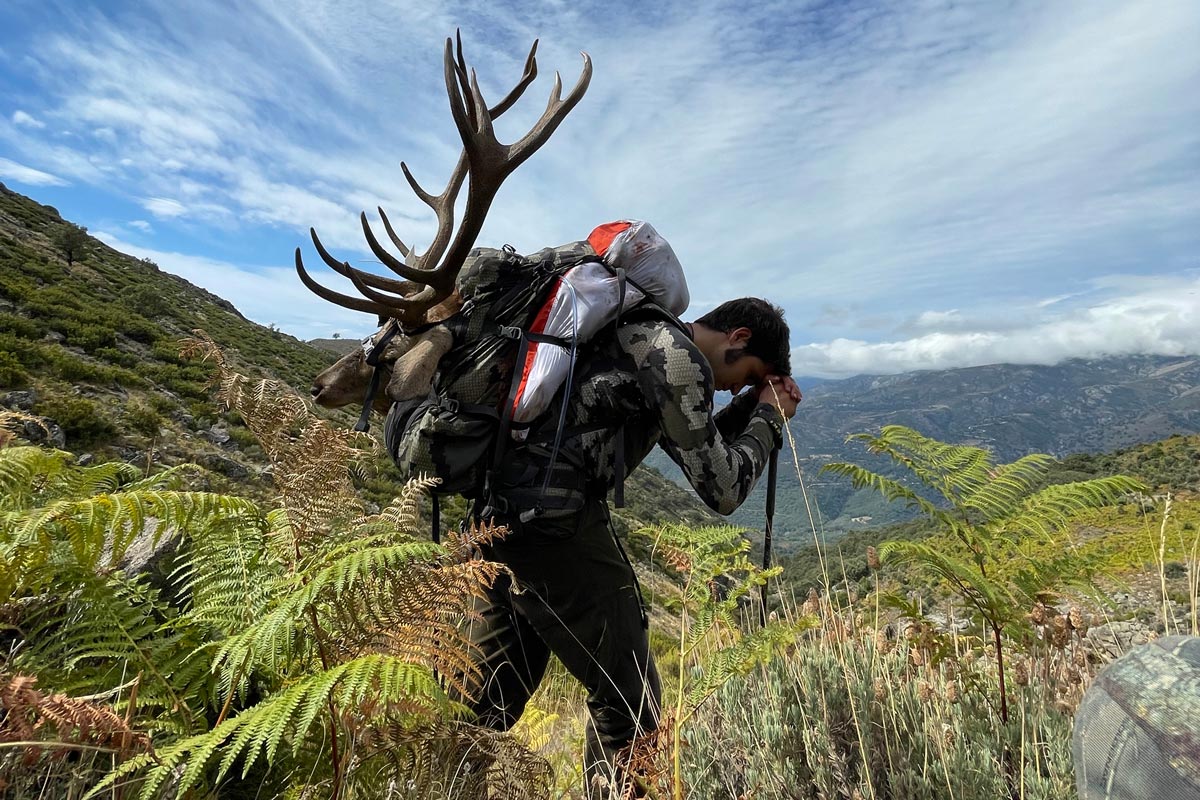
point(771, 415)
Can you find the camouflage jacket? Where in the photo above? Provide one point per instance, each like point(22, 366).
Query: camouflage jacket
point(644, 384)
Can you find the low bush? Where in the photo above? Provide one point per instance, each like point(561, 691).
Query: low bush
point(12, 372)
point(81, 419)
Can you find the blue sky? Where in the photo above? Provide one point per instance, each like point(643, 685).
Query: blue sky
point(918, 184)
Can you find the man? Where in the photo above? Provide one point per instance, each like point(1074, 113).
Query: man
point(573, 591)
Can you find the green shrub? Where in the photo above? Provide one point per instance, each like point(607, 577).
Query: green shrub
point(20, 326)
point(91, 337)
point(81, 419)
point(114, 356)
point(143, 419)
point(12, 373)
point(148, 301)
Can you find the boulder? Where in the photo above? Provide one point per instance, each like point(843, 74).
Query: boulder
point(1113, 639)
point(225, 466)
point(42, 430)
point(19, 401)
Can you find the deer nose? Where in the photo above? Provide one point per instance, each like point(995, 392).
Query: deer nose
point(315, 390)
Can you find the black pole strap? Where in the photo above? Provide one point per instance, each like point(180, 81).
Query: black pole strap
point(772, 479)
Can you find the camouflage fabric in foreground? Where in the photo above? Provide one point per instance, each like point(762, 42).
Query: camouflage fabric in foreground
point(1137, 732)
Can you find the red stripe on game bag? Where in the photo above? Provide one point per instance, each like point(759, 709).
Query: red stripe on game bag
point(538, 326)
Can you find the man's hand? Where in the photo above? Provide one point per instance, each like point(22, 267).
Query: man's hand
point(781, 392)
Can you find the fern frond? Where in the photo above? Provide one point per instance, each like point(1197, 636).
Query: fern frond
point(29, 714)
point(753, 648)
point(22, 468)
point(892, 490)
point(988, 596)
point(1050, 509)
point(229, 573)
point(108, 627)
point(273, 635)
point(1009, 486)
point(108, 523)
point(259, 731)
point(451, 759)
point(951, 470)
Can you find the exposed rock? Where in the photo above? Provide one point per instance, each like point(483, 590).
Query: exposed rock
point(43, 430)
point(226, 466)
point(1115, 638)
point(85, 459)
point(54, 336)
point(153, 560)
point(218, 434)
point(19, 401)
point(130, 455)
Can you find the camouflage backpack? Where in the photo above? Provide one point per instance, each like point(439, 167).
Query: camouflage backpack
point(1137, 731)
point(460, 432)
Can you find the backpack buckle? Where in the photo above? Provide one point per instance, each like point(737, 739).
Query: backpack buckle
point(510, 332)
point(448, 404)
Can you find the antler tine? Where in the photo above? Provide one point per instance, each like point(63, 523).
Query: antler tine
point(483, 158)
point(354, 303)
point(491, 162)
point(378, 281)
point(527, 77)
point(404, 249)
point(556, 111)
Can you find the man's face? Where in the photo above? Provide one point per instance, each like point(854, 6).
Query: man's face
point(736, 371)
point(733, 369)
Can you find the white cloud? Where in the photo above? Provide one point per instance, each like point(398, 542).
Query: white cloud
point(1152, 315)
point(20, 117)
point(142, 225)
point(23, 174)
point(164, 208)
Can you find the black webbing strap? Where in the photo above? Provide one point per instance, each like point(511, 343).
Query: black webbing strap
point(772, 480)
point(374, 353)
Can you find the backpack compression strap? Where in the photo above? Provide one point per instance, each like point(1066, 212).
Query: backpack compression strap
point(374, 351)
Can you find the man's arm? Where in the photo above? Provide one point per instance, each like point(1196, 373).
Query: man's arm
point(678, 382)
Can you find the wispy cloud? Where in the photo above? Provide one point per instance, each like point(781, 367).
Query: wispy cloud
point(28, 175)
point(19, 117)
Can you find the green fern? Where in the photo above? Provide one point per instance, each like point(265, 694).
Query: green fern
point(992, 517)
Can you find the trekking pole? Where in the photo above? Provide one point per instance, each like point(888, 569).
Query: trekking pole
point(772, 475)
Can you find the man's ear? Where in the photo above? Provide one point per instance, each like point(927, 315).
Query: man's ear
point(739, 336)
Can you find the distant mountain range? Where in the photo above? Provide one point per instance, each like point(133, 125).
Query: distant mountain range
point(1077, 406)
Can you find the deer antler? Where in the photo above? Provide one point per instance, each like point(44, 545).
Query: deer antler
point(429, 277)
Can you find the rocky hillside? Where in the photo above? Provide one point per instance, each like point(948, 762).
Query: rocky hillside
point(92, 346)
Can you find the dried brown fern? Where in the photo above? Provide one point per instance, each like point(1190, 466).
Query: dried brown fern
point(11, 419)
point(645, 763)
point(310, 458)
point(56, 723)
point(451, 759)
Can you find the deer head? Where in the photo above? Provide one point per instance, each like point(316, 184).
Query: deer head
point(426, 295)
point(409, 363)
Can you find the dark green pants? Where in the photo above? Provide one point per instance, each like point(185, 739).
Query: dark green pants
point(575, 595)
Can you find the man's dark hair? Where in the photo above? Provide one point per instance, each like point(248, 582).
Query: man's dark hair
point(769, 335)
